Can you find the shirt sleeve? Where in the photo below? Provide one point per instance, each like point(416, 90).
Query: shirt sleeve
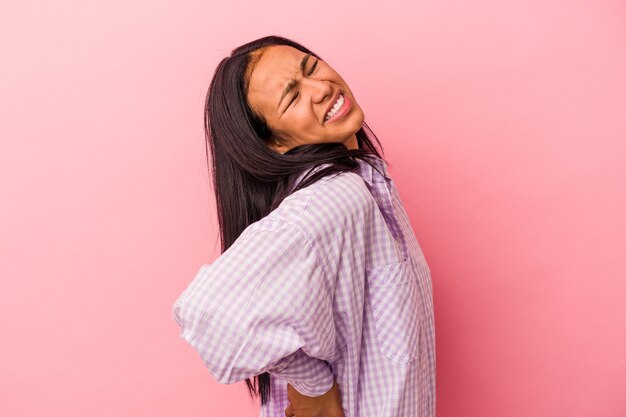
point(264, 305)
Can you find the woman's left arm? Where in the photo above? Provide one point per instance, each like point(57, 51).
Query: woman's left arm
point(265, 305)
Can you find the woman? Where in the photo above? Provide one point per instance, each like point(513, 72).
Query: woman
point(322, 293)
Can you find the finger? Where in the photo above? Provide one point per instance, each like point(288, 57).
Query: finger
point(289, 411)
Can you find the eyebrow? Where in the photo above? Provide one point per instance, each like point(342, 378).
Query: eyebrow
point(292, 83)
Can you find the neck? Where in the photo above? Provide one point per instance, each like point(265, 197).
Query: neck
point(352, 142)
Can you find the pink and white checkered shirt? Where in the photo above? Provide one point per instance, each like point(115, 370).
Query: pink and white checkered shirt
point(331, 284)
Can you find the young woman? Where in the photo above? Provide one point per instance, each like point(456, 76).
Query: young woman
point(322, 293)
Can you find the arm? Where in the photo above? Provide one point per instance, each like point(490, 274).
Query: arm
point(265, 305)
point(308, 375)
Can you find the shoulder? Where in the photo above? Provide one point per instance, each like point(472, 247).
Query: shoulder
point(339, 194)
point(343, 192)
point(340, 200)
point(329, 218)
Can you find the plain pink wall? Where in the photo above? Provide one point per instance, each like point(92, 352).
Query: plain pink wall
point(505, 127)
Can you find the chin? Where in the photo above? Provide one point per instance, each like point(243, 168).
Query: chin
point(356, 123)
point(356, 118)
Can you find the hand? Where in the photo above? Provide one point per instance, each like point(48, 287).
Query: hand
point(326, 405)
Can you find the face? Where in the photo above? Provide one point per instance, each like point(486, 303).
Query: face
point(300, 116)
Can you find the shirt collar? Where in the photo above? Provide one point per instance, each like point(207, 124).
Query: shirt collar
point(369, 174)
point(377, 173)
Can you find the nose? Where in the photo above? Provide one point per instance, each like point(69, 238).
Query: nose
point(318, 89)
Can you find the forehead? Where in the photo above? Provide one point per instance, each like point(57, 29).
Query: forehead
point(276, 66)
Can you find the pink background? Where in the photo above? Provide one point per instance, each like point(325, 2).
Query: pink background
point(504, 124)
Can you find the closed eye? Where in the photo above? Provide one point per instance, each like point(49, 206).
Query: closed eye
point(298, 93)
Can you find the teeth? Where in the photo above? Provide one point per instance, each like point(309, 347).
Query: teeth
point(336, 107)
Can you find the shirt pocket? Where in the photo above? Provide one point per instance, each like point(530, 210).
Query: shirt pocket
point(395, 310)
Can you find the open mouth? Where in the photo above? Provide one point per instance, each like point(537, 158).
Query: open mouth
point(339, 109)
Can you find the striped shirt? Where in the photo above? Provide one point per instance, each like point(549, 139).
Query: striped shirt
point(332, 284)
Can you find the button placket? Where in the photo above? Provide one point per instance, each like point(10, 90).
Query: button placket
point(382, 189)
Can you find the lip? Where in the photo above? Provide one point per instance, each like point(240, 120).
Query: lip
point(346, 107)
point(333, 101)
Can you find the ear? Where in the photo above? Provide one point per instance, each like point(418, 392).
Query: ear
point(276, 145)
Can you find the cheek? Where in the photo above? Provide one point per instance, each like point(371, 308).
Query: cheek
point(301, 125)
point(303, 117)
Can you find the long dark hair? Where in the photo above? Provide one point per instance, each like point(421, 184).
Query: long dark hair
point(250, 180)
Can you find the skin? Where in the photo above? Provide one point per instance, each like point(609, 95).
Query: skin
point(301, 121)
point(296, 123)
point(326, 405)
